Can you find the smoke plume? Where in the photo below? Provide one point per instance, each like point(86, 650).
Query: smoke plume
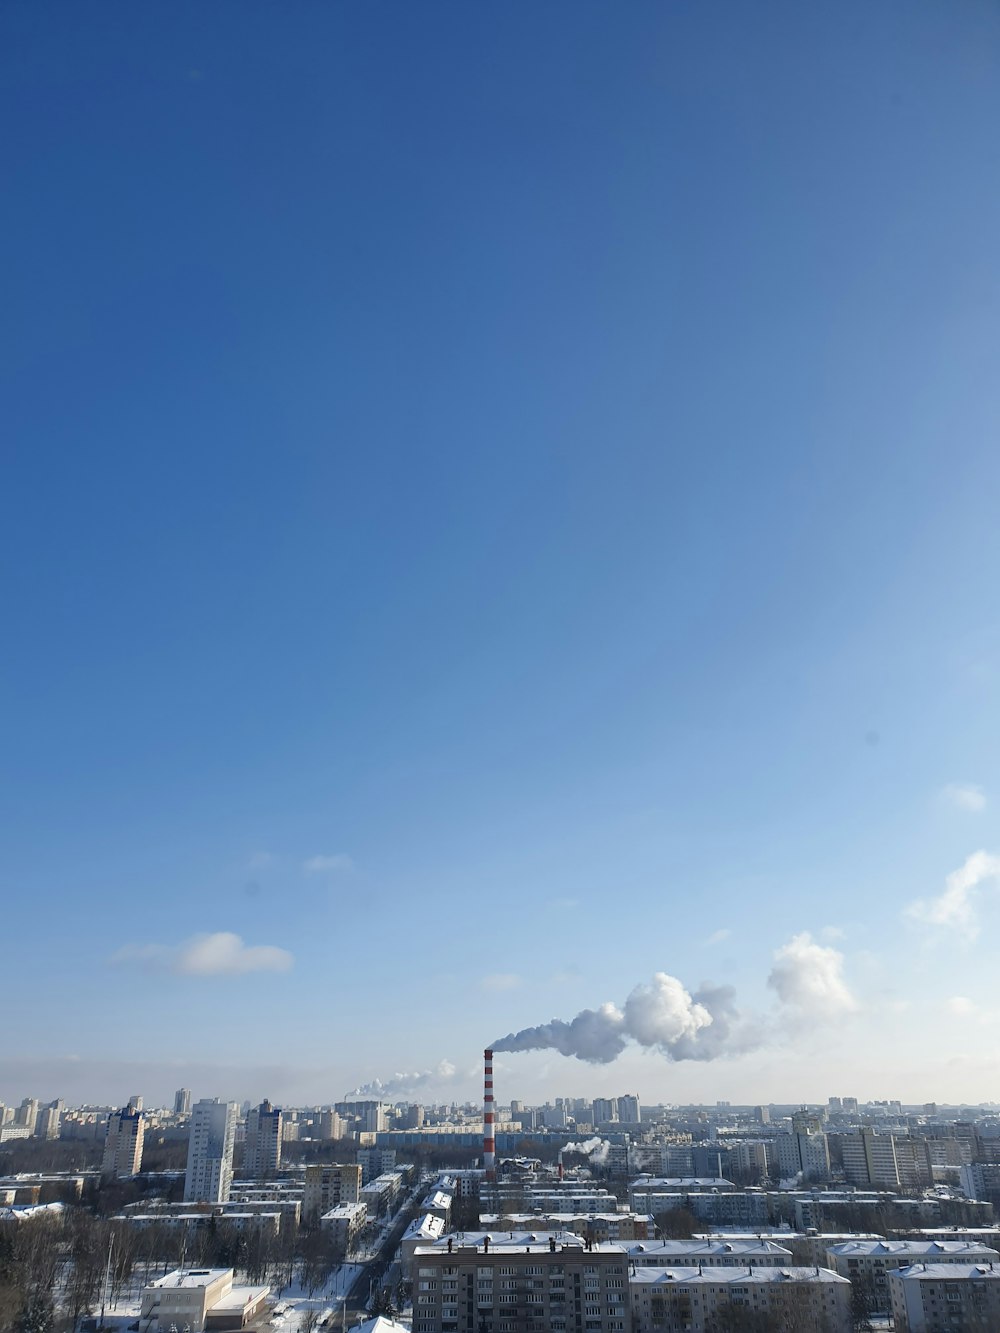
point(401, 1084)
point(705, 1024)
point(596, 1149)
point(662, 1016)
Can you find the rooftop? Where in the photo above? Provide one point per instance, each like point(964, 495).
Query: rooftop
point(664, 1277)
point(947, 1272)
point(648, 1249)
point(192, 1277)
point(518, 1242)
point(894, 1248)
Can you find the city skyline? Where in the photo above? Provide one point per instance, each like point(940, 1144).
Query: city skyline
point(501, 540)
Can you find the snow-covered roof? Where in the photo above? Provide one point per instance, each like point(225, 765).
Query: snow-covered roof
point(646, 1251)
point(947, 1272)
point(380, 1325)
point(192, 1277)
point(880, 1249)
point(724, 1274)
point(428, 1227)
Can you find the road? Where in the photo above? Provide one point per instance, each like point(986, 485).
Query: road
point(364, 1284)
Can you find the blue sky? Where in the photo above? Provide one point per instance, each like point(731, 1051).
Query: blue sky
point(543, 459)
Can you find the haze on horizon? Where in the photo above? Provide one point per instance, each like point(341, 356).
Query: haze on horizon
point(499, 509)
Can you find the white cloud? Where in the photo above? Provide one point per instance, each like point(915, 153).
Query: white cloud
point(809, 978)
point(326, 865)
point(956, 907)
point(718, 936)
point(214, 955)
point(965, 796)
point(501, 981)
point(962, 1007)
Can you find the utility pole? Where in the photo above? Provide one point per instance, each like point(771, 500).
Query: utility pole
point(107, 1277)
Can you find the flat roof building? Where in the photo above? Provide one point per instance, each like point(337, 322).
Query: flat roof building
point(199, 1299)
point(508, 1284)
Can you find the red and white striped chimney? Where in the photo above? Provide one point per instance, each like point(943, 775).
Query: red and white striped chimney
point(489, 1141)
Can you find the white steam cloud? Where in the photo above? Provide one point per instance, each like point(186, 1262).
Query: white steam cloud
point(662, 1016)
point(705, 1024)
point(809, 979)
point(596, 1149)
point(401, 1084)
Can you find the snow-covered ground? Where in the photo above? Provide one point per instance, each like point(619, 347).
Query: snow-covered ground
point(291, 1308)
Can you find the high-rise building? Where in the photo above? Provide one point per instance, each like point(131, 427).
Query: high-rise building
point(870, 1159)
point(135, 1103)
point(209, 1174)
point(629, 1112)
point(182, 1101)
point(605, 1109)
point(49, 1120)
point(375, 1119)
point(331, 1126)
point(27, 1114)
point(327, 1187)
point(123, 1145)
point(262, 1154)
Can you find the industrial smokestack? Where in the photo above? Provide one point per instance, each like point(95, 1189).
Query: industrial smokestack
point(489, 1140)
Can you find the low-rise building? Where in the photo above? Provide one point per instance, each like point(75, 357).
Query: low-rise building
point(943, 1298)
point(438, 1203)
point(199, 1299)
point(867, 1263)
point(381, 1193)
point(692, 1300)
point(345, 1224)
point(747, 1253)
point(423, 1230)
point(625, 1226)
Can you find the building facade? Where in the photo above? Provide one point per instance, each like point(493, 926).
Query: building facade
point(262, 1152)
point(945, 1298)
point(123, 1145)
point(327, 1186)
point(535, 1283)
point(209, 1176)
point(701, 1300)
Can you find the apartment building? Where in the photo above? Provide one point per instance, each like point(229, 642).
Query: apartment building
point(748, 1252)
point(625, 1226)
point(375, 1162)
point(345, 1224)
point(209, 1175)
point(380, 1194)
point(888, 1160)
point(868, 1263)
point(697, 1300)
point(327, 1186)
point(532, 1283)
point(123, 1145)
point(262, 1150)
point(49, 1120)
point(943, 1298)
